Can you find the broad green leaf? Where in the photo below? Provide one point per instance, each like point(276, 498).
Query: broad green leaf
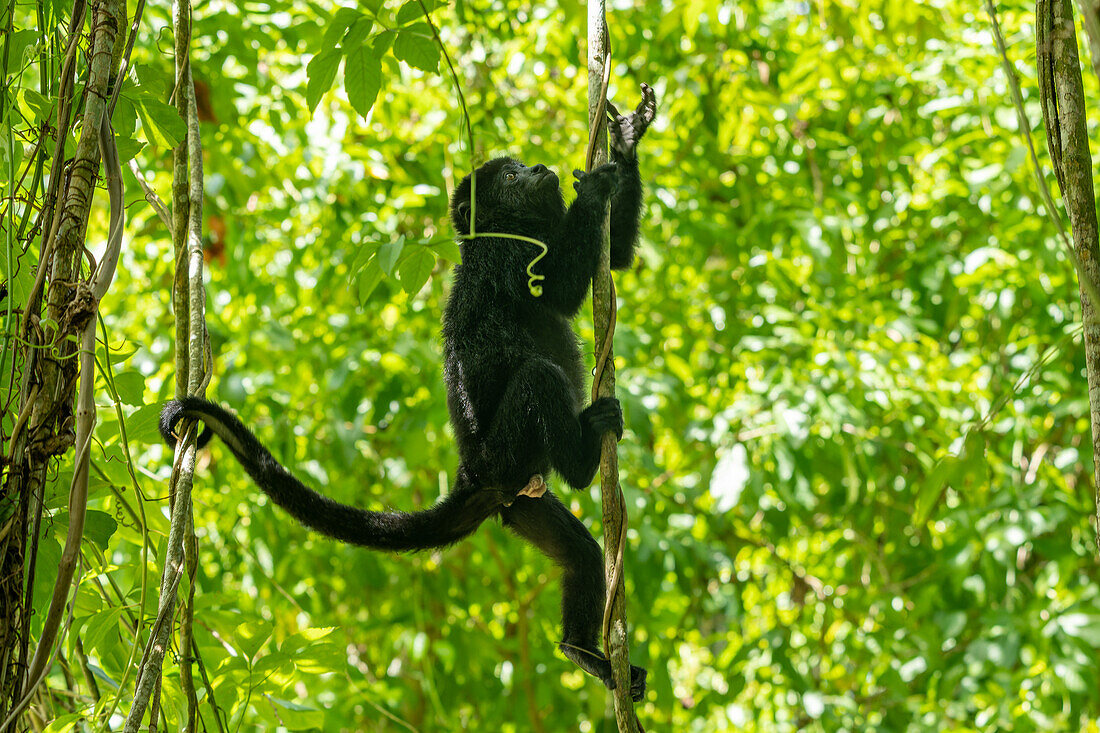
point(416, 47)
point(357, 34)
point(250, 637)
point(100, 634)
point(119, 352)
point(415, 269)
point(410, 11)
point(128, 148)
point(447, 248)
point(368, 279)
point(141, 425)
point(366, 250)
point(160, 123)
point(362, 79)
point(64, 723)
point(45, 570)
point(99, 527)
point(382, 43)
point(131, 387)
point(341, 21)
point(15, 161)
point(321, 72)
point(389, 253)
point(19, 282)
point(316, 633)
point(22, 41)
point(34, 107)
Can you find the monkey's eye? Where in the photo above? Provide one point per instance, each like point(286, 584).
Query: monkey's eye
point(509, 176)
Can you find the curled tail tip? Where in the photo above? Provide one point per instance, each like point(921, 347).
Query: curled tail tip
point(170, 414)
point(174, 411)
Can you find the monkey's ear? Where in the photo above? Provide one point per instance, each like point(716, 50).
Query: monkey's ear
point(461, 216)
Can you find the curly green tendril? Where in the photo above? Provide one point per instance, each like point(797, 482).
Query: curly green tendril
point(532, 278)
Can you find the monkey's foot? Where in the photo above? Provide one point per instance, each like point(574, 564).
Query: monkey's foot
point(535, 488)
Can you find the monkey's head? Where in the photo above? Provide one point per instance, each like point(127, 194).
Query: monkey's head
point(511, 198)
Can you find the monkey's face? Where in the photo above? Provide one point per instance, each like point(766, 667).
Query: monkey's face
point(533, 181)
point(528, 194)
point(511, 197)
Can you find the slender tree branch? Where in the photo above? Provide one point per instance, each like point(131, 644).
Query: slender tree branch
point(192, 377)
point(615, 639)
point(1062, 95)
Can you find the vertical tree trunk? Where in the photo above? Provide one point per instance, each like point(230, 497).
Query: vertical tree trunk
point(45, 422)
point(192, 376)
point(1063, 99)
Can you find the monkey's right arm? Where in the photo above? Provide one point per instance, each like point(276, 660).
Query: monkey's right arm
point(624, 132)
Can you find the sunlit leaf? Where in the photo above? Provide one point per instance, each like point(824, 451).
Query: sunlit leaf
point(413, 272)
point(321, 72)
point(416, 47)
point(362, 79)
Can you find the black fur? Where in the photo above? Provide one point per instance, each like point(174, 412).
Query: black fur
point(515, 382)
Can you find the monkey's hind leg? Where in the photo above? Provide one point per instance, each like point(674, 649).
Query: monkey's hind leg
point(550, 526)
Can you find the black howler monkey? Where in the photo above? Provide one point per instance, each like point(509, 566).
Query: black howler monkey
point(515, 382)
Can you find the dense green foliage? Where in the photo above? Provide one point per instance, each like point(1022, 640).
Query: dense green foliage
point(857, 461)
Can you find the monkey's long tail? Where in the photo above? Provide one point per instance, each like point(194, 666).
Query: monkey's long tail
point(452, 518)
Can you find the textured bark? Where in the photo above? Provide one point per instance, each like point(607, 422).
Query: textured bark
point(46, 421)
point(192, 376)
point(1063, 101)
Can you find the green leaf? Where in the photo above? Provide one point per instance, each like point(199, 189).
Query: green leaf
point(141, 425)
point(389, 253)
point(131, 387)
point(16, 158)
point(250, 637)
point(119, 353)
point(942, 474)
point(128, 148)
point(362, 256)
point(64, 723)
point(321, 72)
point(410, 11)
point(314, 633)
point(341, 21)
point(416, 48)
point(447, 248)
point(21, 280)
point(415, 269)
point(160, 122)
point(297, 717)
point(45, 570)
point(95, 635)
point(21, 41)
point(357, 34)
point(382, 43)
point(974, 454)
point(367, 280)
point(33, 106)
point(362, 79)
point(99, 526)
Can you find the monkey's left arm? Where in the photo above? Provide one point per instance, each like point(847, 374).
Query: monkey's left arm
point(624, 132)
